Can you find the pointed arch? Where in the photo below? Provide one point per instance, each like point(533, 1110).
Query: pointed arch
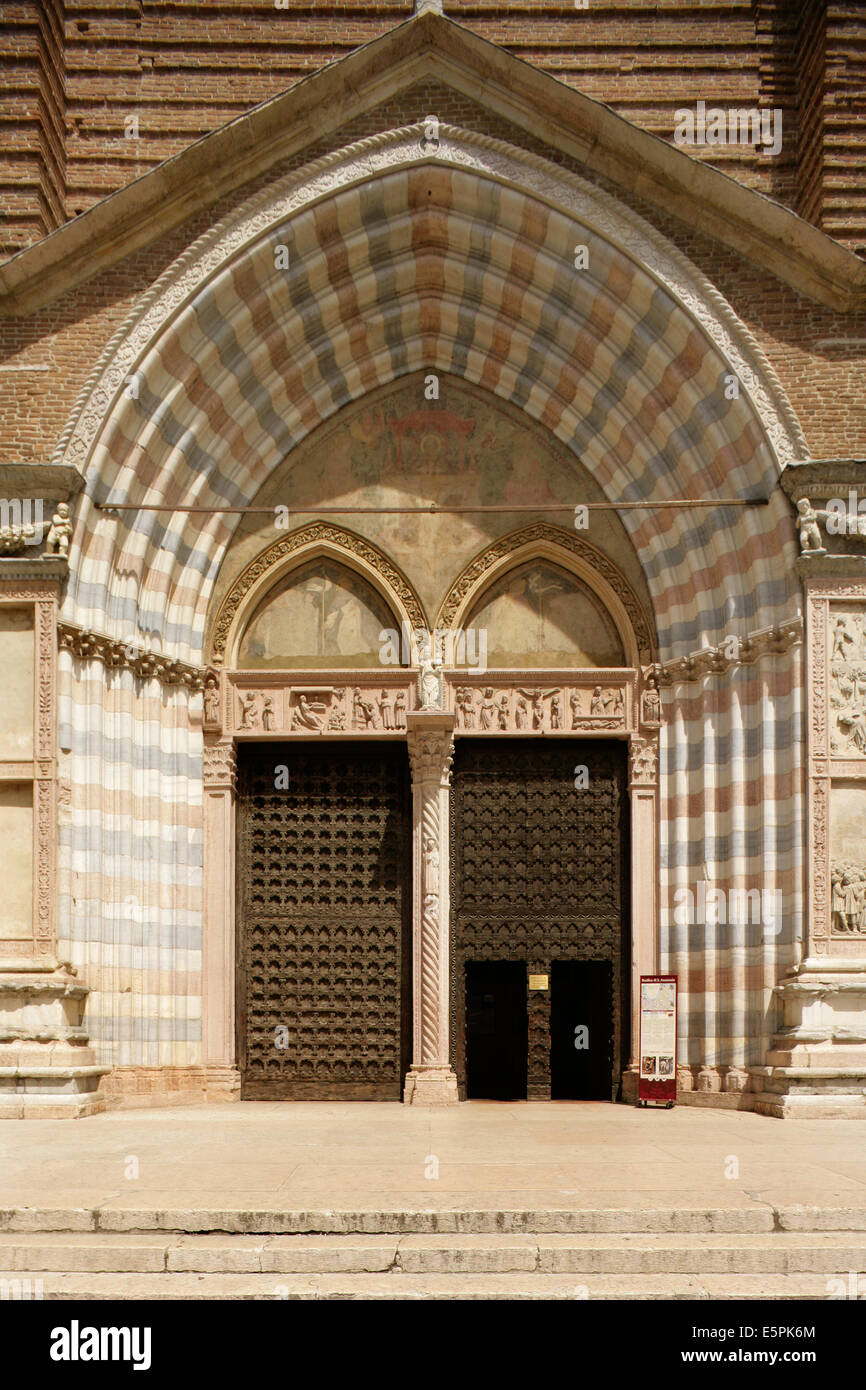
point(569, 552)
point(313, 541)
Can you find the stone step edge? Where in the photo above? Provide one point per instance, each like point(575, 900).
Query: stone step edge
point(395, 1285)
point(760, 1219)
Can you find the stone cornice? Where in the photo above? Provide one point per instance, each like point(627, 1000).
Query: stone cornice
point(713, 661)
point(821, 477)
point(431, 47)
point(116, 655)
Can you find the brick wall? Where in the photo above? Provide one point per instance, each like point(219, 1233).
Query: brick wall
point(135, 81)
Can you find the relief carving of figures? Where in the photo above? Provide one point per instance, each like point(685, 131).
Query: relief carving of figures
point(431, 877)
point(400, 710)
point(268, 713)
point(465, 704)
point(488, 708)
point(250, 710)
point(337, 717)
point(848, 898)
point(537, 705)
point(503, 710)
point(386, 710)
point(847, 686)
point(521, 718)
point(644, 760)
point(650, 703)
point(309, 714)
point(575, 707)
point(807, 519)
point(364, 712)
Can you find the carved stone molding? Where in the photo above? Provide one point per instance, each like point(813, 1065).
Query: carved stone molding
point(115, 655)
point(337, 539)
point(711, 661)
point(568, 544)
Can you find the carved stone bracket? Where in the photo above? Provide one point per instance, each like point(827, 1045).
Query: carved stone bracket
point(431, 748)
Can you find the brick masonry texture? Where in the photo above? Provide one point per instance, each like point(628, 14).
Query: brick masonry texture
point(94, 95)
point(825, 383)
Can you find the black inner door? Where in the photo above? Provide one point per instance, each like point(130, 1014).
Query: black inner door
point(581, 1029)
point(496, 1030)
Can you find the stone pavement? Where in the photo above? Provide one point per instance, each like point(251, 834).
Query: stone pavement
point(606, 1165)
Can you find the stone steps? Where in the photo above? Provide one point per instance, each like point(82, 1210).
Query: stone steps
point(395, 1284)
point(144, 1265)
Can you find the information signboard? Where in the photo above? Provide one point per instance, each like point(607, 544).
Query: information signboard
point(657, 1079)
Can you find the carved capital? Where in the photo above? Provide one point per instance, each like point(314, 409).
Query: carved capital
point(220, 765)
point(431, 747)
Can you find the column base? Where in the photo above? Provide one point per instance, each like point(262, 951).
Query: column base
point(430, 1086)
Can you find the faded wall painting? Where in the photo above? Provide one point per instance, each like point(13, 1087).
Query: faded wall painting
point(539, 615)
point(393, 459)
point(322, 614)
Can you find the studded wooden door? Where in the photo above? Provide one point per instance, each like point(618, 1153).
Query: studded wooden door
point(538, 862)
point(324, 914)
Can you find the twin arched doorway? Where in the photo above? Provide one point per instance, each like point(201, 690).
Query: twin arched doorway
point(383, 923)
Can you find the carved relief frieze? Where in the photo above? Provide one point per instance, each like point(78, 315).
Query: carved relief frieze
point(846, 685)
point(545, 708)
point(848, 898)
point(644, 762)
point(301, 705)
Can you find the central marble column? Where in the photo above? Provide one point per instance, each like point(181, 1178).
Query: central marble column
point(431, 1080)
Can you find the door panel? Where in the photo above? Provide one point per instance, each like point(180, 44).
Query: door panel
point(324, 914)
point(539, 873)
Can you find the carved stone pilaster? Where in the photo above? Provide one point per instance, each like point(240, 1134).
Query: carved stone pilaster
point(431, 1081)
point(220, 770)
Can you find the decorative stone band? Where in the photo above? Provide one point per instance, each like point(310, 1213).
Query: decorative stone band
point(93, 646)
point(711, 661)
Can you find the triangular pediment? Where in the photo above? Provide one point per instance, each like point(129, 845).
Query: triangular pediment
point(432, 48)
